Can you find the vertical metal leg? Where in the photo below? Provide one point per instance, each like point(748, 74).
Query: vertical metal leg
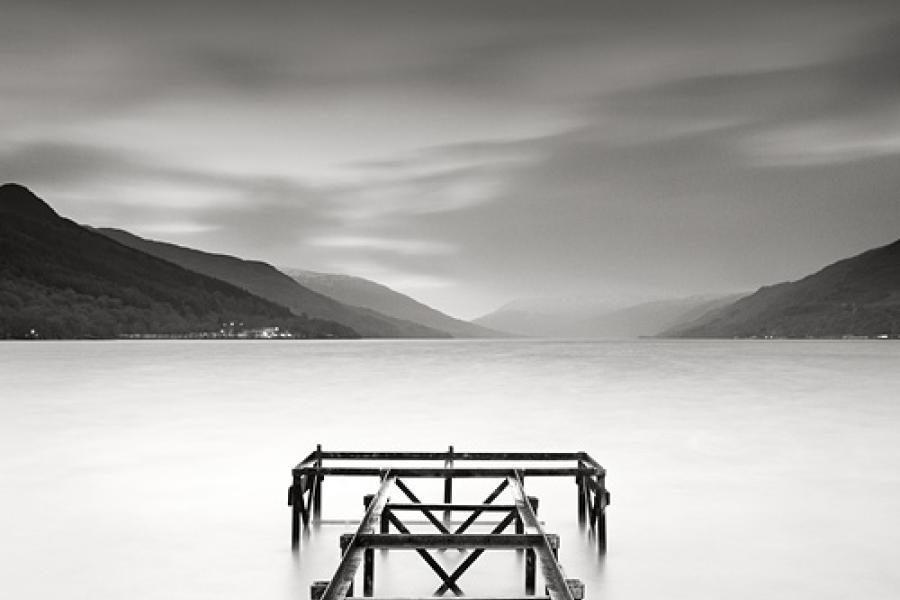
point(317, 589)
point(368, 572)
point(294, 500)
point(579, 481)
point(602, 501)
point(317, 498)
point(448, 485)
point(530, 571)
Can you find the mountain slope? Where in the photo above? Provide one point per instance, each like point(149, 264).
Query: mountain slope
point(267, 282)
point(545, 317)
point(594, 318)
point(854, 296)
point(651, 318)
point(357, 291)
point(63, 280)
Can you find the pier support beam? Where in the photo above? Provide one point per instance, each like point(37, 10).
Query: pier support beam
point(368, 572)
point(317, 490)
point(448, 485)
point(294, 500)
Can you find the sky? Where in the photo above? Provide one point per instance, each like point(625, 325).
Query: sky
point(469, 153)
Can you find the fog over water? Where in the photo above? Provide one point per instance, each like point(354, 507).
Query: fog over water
point(738, 469)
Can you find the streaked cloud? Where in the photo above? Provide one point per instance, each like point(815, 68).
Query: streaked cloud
point(471, 151)
point(377, 244)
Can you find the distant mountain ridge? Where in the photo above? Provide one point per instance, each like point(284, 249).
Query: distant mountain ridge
point(267, 282)
point(857, 296)
point(357, 291)
point(595, 318)
point(61, 280)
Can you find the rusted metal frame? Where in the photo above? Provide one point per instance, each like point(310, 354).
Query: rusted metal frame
point(489, 500)
point(437, 568)
point(428, 514)
point(338, 587)
point(470, 559)
point(553, 576)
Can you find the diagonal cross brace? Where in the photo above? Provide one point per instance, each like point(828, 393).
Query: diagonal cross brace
point(428, 514)
point(491, 497)
point(464, 565)
point(437, 568)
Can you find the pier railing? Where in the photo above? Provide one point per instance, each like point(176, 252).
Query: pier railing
point(305, 499)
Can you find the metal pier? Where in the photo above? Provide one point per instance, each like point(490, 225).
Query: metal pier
point(382, 515)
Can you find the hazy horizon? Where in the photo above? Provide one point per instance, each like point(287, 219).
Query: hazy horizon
point(469, 153)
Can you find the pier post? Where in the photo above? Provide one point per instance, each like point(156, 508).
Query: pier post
point(530, 571)
point(317, 589)
point(368, 572)
point(579, 481)
point(294, 499)
point(317, 497)
point(576, 588)
point(448, 485)
point(530, 556)
point(602, 499)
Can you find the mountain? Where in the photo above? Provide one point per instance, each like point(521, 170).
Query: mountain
point(593, 318)
point(267, 282)
point(651, 318)
point(854, 296)
point(357, 291)
point(546, 316)
point(61, 280)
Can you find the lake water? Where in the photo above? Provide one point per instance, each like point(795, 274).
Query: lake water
point(738, 469)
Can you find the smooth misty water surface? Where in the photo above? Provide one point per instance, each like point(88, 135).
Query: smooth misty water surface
point(737, 469)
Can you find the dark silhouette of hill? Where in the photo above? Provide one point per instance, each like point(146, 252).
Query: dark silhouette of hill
point(267, 282)
point(357, 291)
point(63, 280)
point(854, 296)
